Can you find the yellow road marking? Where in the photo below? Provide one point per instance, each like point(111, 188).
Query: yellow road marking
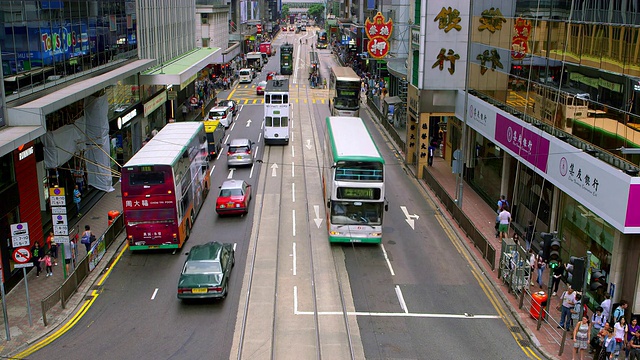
point(232, 92)
point(74, 320)
point(485, 288)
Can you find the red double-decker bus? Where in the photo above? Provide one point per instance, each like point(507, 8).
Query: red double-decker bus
point(164, 186)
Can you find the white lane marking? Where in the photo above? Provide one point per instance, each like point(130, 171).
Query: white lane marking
point(293, 192)
point(233, 125)
point(293, 173)
point(226, 141)
point(230, 176)
point(251, 172)
point(248, 123)
point(293, 153)
point(318, 219)
point(155, 292)
point(234, 246)
point(403, 305)
point(295, 265)
point(293, 223)
point(295, 297)
point(308, 144)
point(262, 126)
point(274, 169)
point(211, 172)
point(409, 217)
point(291, 135)
point(241, 107)
point(259, 137)
point(386, 258)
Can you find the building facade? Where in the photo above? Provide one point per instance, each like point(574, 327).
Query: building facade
point(550, 116)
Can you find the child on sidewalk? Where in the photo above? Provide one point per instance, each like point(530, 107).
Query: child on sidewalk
point(48, 262)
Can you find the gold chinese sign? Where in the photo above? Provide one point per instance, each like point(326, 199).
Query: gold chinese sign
point(491, 20)
point(378, 31)
point(445, 56)
point(489, 56)
point(448, 19)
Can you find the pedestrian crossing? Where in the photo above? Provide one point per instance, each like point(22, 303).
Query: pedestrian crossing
point(245, 94)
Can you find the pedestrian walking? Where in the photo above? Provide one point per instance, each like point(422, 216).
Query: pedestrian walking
point(77, 197)
point(185, 110)
point(581, 337)
point(606, 306)
point(48, 262)
point(78, 175)
point(634, 346)
point(53, 247)
point(502, 203)
point(540, 265)
point(632, 330)
point(597, 323)
point(568, 299)
point(608, 346)
point(87, 238)
point(69, 256)
point(505, 220)
point(528, 236)
point(575, 312)
point(36, 256)
point(533, 258)
point(556, 277)
point(619, 332)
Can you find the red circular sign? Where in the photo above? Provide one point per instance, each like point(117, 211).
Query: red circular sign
point(21, 255)
point(193, 100)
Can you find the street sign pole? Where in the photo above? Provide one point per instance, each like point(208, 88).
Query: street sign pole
point(26, 288)
point(4, 308)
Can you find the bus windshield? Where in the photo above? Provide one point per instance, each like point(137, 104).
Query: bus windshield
point(344, 103)
point(359, 171)
point(356, 213)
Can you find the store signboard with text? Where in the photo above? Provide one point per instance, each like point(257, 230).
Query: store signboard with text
point(605, 190)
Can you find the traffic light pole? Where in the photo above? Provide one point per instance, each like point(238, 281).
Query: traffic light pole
point(587, 271)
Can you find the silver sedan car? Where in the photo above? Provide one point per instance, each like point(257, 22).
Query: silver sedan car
point(240, 152)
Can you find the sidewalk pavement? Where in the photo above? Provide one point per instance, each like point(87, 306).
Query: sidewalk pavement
point(482, 215)
point(22, 334)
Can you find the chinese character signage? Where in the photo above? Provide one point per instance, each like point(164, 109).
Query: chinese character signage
point(520, 39)
point(491, 20)
point(448, 19)
point(489, 56)
point(446, 56)
point(378, 33)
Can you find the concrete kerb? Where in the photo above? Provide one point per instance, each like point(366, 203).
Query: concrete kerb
point(78, 298)
point(451, 222)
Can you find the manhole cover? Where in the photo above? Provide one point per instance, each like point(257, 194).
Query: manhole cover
point(515, 329)
point(524, 343)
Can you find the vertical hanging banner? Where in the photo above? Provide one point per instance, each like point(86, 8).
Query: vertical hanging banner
point(378, 33)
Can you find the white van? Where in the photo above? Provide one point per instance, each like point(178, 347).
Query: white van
point(246, 75)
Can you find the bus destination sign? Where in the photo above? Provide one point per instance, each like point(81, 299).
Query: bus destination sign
point(358, 193)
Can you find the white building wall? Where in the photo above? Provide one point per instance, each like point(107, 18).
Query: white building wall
point(166, 28)
point(216, 29)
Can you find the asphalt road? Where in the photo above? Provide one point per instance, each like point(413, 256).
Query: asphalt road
point(417, 296)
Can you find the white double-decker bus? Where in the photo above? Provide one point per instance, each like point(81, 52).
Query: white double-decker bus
point(353, 180)
point(277, 112)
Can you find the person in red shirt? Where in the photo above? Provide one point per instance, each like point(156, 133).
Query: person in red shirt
point(53, 248)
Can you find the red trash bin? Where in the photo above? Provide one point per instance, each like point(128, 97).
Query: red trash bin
point(538, 302)
point(112, 215)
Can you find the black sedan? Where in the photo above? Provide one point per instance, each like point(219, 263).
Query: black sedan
point(206, 271)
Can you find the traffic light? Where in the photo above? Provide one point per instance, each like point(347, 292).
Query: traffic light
point(598, 280)
point(554, 253)
point(545, 245)
point(575, 273)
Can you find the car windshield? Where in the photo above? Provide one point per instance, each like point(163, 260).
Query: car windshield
point(230, 192)
point(245, 72)
point(203, 267)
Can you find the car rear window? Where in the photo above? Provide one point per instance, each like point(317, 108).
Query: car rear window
point(203, 267)
point(218, 113)
point(230, 192)
point(238, 149)
point(245, 72)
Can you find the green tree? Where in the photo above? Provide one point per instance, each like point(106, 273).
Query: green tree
point(285, 11)
point(316, 11)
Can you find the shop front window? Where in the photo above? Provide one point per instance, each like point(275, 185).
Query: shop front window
point(534, 199)
point(485, 173)
point(581, 230)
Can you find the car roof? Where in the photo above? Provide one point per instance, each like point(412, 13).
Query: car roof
point(232, 184)
point(239, 142)
point(219, 108)
point(208, 251)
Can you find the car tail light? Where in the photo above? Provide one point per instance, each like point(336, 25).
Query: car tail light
point(182, 291)
point(175, 237)
point(224, 117)
point(130, 239)
point(216, 289)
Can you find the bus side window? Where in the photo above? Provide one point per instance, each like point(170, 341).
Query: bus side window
point(285, 99)
point(268, 121)
point(267, 99)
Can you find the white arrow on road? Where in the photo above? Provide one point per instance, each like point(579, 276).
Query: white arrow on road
point(248, 122)
point(274, 167)
point(309, 144)
point(318, 219)
point(230, 176)
point(409, 218)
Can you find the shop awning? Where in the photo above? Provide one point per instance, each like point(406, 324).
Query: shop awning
point(397, 67)
point(227, 55)
point(27, 121)
point(180, 71)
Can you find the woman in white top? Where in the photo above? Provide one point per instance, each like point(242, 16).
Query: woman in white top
point(619, 333)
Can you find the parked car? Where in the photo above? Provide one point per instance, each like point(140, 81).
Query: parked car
point(222, 113)
point(260, 88)
point(239, 152)
point(206, 271)
point(234, 198)
point(230, 103)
